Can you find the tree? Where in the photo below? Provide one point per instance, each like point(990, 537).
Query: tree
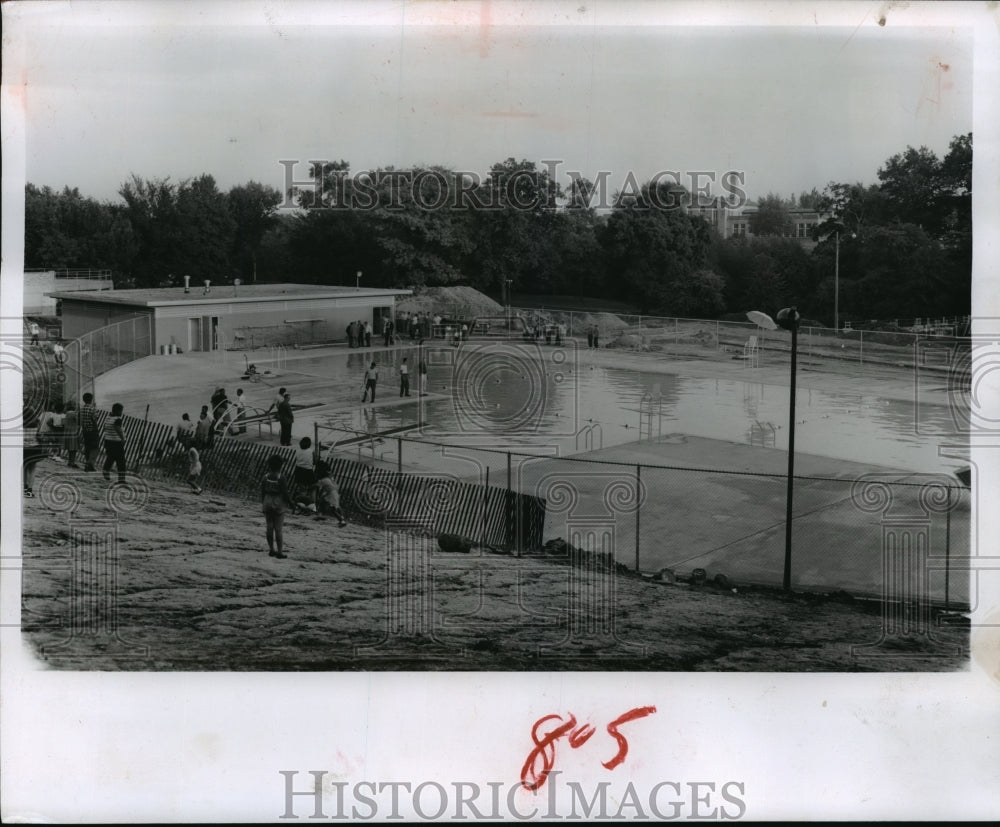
point(912, 183)
point(252, 207)
point(657, 257)
point(771, 217)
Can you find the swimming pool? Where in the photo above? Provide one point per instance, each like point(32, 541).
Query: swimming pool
point(522, 397)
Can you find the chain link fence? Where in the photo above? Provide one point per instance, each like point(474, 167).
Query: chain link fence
point(692, 336)
point(97, 352)
point(849, 534)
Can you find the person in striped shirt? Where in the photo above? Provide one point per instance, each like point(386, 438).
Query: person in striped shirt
point(90, 432)
point(114, 443)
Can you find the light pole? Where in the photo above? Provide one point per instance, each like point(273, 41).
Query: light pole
point(836, 284)
point(788, 319)
point(357, 280)
point(836, 279)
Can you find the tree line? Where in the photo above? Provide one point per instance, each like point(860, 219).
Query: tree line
point(905, 243)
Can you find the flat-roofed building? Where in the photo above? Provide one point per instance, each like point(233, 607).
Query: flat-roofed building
point(228, 316)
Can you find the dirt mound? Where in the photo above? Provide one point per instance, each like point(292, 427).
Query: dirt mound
point(452, 302)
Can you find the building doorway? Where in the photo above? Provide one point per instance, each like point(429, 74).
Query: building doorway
point(194, 334)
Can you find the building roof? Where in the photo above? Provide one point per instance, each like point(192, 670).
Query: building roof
point(225, 294)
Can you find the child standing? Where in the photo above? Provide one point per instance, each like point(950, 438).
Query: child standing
point(114, 443)
point(275, 502)
point(327, 494)
point(305, 477)
point(194, 469)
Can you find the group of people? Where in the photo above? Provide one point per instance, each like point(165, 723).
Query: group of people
point(417, 325)
point(62, 429)
point(370, 380)
point(359, 334)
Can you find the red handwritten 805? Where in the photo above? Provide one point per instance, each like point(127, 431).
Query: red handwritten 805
point(542, 758)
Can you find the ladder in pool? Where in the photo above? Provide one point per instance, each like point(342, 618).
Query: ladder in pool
point(763, 434)
point(651, 416)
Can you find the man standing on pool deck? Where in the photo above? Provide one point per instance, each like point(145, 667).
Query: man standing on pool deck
point(371, 379)
point(368, 334)
point(404, 378)
point(422, 373)
point(285, 419)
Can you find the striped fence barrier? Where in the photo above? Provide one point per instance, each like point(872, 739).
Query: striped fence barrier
point(479, 513)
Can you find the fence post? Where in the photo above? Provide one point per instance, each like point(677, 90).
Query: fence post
point(947, 553)
point(676, 331)
point(508, 509)
point(638, 474)
point(482, 522)
point(862, 350)
point(718, 345)
point(399, 455)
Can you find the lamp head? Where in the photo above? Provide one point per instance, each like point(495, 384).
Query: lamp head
point(788, 319)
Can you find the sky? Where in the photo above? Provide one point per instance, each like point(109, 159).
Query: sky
point(163, 90)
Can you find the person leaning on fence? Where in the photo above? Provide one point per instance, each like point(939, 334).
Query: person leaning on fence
point(240, 407)
point(220, 404)
point(370, 381)
point(71, 434)
point(185, 432)
point(305, 476)
point(285, 420)
point(194, 469)
point(203, 429)
point(275, 503)
point(114, 443)
point(90, 432)
point(50, 430)
point(277, 400)
point(327, 495)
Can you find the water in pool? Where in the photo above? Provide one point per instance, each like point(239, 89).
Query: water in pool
point(526, 402)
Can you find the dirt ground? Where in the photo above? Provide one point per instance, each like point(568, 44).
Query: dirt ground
point(184, 582)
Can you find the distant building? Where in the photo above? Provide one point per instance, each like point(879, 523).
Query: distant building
point(40, 284)
point(734, 222)
point(226, 316)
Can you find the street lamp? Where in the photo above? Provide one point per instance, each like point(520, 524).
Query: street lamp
point(788, 319)
point(836, 280)
point(357, 280)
